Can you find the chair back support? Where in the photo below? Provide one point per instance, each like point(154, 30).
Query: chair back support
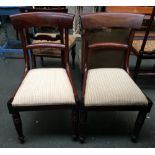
point(98, 58)
point(42, 19)
point(23, 21)
point(109, 22)
point(31, 34)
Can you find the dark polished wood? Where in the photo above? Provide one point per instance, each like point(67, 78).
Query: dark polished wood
point(75, 123)
point(138, 125)
point(101, 20)
point(83, 125)
point(33, 19)
point(40, 19)
point(18, 125)
point(105, 21)
point(108, 45)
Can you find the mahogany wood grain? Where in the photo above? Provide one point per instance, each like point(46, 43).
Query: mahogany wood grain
point(42, 19)
point(111, 20)
point(108, 45)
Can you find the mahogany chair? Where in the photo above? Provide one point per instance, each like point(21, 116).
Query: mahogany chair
point(45, 88)
point(50, 35)
point(111, 89)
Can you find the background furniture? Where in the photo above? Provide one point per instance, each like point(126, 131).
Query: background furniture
point(144, 48)
point(131, 9)
point(50, 35)
point(144, 40)
point(111, 88)
point(44, 89)
point(11, 44)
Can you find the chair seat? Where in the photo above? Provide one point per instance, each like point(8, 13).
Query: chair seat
point(112, 87)
point(149, 47)
point(49, 51)
point(45, 87)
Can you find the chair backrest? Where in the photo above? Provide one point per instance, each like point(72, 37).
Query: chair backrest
point(23, 21)
point(110, 21)
point(31, 34)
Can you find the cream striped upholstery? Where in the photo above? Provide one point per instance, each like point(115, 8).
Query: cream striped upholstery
point(112, 87)
point(45, 87)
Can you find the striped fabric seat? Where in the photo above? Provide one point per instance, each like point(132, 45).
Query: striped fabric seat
point(44, 87)
point(112, 87)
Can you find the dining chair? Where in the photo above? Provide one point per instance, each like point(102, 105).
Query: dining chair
point(111, 88)
point(44, 88)
point(52, 35)
point(144, 48)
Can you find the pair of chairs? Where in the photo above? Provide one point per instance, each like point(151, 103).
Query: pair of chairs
point(53, 88)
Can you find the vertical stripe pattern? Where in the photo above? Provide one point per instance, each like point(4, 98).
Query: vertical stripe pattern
point(112, 87)
point(45, 87)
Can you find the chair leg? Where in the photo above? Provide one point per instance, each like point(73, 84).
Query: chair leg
point(82, 125)
point(17, 35)
point(42, 61)
point(138, 125)
point(62, 59)
point(33, 61)
point(73, 53)
point(136, 71)
point(75, 123)
point(18, 125)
